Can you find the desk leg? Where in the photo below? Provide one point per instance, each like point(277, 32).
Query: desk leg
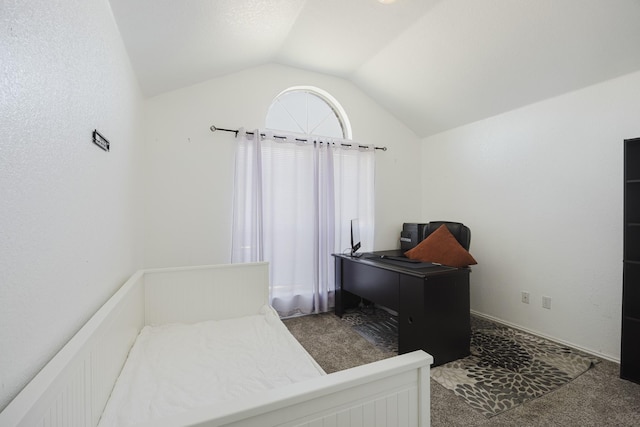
point(339, 308)
point(343, 299)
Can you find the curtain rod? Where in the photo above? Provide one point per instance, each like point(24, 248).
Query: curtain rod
point(214, 128)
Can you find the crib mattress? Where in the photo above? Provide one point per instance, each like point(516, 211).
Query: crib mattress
point(176, 367)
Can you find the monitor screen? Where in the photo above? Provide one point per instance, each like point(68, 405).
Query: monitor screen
point(355, 236)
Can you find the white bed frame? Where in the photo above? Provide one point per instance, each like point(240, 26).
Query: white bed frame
point(73, 388)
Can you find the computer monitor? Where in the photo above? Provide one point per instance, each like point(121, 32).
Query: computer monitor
point(355, 237)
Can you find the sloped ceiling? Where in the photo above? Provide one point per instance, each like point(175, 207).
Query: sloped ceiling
point(434, 64)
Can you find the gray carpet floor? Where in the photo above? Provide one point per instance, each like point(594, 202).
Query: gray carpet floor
point(596, 398)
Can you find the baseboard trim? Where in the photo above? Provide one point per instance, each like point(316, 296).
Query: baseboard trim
point(547, 337)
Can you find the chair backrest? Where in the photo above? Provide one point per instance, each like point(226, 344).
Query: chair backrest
point(460, 231)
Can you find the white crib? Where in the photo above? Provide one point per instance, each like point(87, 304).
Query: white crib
point(73, 388)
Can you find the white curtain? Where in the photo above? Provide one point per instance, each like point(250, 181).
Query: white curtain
point(293, 202)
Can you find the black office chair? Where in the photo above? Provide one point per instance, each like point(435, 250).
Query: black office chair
point(460, 231)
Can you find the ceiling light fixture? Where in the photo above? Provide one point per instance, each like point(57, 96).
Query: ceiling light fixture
point(387, 1)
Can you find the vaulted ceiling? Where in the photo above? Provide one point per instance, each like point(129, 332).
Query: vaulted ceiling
point(434, 64)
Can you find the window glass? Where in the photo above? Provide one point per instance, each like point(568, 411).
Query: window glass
point(310, 111)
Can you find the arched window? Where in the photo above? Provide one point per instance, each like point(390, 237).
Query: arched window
point(295, 197)
point(308, 110)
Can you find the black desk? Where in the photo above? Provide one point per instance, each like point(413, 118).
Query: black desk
point(432, 302)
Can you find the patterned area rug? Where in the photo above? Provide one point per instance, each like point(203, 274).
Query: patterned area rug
point(506, 367)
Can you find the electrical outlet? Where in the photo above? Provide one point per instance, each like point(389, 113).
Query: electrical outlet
point(546, 302)
point(525, 297)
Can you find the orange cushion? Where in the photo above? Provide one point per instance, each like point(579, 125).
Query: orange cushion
point(441, 247)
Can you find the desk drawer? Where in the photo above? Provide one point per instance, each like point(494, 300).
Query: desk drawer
point(374, 284)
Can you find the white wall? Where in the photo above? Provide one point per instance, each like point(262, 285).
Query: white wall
point(190, 170)
point(541, 189)
point(69, 221)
